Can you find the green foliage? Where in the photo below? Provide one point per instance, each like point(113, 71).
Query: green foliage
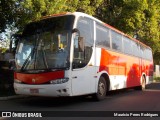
point(38, 8)
point(7, 15)
point(22, 12)
point(157, 79)
point(126, 15)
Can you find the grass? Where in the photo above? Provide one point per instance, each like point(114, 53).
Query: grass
point(157, 79)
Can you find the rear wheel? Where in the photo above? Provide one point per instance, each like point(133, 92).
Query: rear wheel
point(143, 84)
point(101, 90)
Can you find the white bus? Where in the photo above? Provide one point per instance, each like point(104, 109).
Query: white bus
point(74, 54)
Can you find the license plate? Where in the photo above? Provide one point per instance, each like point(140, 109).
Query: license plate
point(34, 91)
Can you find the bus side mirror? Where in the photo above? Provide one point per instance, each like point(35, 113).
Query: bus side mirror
point(75, 30)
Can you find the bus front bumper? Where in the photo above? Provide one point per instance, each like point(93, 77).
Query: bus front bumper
point(56, 90)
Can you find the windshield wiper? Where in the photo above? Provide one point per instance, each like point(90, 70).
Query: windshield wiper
point(30, 55)
point(26, 61)
point(34, 51)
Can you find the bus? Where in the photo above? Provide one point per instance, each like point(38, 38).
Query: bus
point(73, 54)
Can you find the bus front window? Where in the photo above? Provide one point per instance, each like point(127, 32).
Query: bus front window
point(45, 45)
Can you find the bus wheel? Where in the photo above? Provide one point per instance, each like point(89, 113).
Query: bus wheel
point(143, 84)
point(102, 88)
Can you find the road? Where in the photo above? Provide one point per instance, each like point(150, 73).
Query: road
point(122, 100)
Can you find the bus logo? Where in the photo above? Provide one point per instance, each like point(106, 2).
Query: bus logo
point(34, 80)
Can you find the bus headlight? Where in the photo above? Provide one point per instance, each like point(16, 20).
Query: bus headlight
point(59, 81)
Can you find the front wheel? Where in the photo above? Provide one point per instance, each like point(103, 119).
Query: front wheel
point(101, 90)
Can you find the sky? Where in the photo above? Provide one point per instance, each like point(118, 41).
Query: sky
point(5, 36)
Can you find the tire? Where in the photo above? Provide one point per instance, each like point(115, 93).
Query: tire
point(143, 85)
point(101, 90)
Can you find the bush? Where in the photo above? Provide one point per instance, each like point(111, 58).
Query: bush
point(157, 79)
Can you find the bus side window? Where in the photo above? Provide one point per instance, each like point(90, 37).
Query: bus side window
point(116, 41)
point(81, 58)
point(127, 46)
point(142, 51)
point(135, 47)
point(102, 36)
point(147, 54)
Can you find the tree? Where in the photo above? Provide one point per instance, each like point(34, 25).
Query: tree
point(151, 28)
point(35, 9)
point(22, 12)
point(126, 15)
point(7, 13)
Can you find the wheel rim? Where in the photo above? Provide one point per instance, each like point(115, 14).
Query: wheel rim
point(101, 89)
point(143, 84)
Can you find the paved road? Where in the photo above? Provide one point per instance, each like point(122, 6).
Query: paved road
point(123, 100)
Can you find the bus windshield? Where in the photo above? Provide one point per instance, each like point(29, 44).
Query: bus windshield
point(45, 45)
